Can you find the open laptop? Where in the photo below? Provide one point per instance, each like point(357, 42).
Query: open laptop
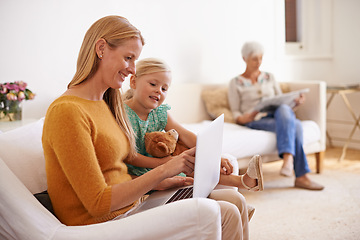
point(206, 172)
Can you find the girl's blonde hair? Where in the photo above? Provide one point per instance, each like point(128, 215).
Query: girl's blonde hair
point(147, 66)
point(115, 30)
point(150, 65)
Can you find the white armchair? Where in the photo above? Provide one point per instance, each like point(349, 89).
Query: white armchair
point(22, 173)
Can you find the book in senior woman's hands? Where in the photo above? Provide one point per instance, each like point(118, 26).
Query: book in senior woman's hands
point(271, 103)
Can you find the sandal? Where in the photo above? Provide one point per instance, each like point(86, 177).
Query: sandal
point(254, 171)
point(251, 211)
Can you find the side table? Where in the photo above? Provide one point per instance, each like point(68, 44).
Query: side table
point(7, 126)
point(343, 91)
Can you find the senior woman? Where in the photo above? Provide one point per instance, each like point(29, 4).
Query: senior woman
point(246, 90)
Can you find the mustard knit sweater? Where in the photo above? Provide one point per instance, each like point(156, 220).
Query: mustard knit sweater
point(84, 151)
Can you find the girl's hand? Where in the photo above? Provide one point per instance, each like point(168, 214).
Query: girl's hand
point(176, 181)
point(226, 167)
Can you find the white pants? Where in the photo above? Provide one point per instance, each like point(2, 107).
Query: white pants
point(234, 215)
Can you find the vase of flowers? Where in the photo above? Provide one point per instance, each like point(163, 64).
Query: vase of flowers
point(11, 96)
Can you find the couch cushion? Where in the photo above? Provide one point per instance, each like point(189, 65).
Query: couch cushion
point(241, 141)
point(21, 150)
point(216, 102)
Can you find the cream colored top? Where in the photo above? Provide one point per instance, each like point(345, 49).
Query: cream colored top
point(243, 95)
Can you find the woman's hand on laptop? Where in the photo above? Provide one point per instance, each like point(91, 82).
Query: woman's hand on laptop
point(173, 182)
point(183, 163)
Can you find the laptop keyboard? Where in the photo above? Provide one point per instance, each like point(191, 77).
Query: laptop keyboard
point(182, 193)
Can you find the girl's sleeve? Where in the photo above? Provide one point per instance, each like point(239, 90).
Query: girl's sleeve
point(70, 137)
point(234, 99)
point(162, 116)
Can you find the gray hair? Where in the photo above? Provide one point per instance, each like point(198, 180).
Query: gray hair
point(252, 48)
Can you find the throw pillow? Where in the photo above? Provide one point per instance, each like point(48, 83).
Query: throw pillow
point(21, 150)
point(216, 103)
point(284, 87)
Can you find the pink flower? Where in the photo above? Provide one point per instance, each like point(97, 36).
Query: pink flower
point(22, 85)
point(14, 91)
point(12, 86)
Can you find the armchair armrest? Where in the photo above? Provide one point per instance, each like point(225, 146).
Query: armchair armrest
point(23, 217)
point(314, 107)
point(197, 218)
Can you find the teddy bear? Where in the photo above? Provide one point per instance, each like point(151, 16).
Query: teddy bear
point(162, 144)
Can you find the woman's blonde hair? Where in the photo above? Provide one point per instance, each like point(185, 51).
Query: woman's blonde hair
point(147, 66)
point(115, 30)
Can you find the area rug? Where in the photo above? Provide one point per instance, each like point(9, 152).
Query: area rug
point(285, 212)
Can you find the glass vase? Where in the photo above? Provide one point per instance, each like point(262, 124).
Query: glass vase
point(10, 111)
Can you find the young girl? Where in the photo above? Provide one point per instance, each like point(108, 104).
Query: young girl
point(147, 113)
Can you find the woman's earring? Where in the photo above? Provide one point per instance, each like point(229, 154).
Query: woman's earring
point(100, 56)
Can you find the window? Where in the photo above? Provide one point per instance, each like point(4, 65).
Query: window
point(293, 30)
point(308, 29)
point(291, 23)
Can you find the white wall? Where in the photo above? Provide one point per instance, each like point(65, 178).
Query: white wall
point(336, 65)
point(200, 39)
point(346, 66)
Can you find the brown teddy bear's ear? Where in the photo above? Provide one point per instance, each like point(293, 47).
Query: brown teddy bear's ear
point(159, 144)
point(160, 150)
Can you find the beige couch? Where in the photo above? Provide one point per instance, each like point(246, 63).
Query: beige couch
point(190, 109)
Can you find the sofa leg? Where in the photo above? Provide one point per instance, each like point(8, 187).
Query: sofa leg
point(319, 156)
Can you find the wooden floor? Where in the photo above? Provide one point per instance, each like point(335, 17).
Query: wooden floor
point(351, 161)
point(335, 152)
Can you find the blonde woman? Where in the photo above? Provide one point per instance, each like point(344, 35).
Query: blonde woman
point(87, 137)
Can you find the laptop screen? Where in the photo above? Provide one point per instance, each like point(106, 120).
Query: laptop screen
point(208, 157)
